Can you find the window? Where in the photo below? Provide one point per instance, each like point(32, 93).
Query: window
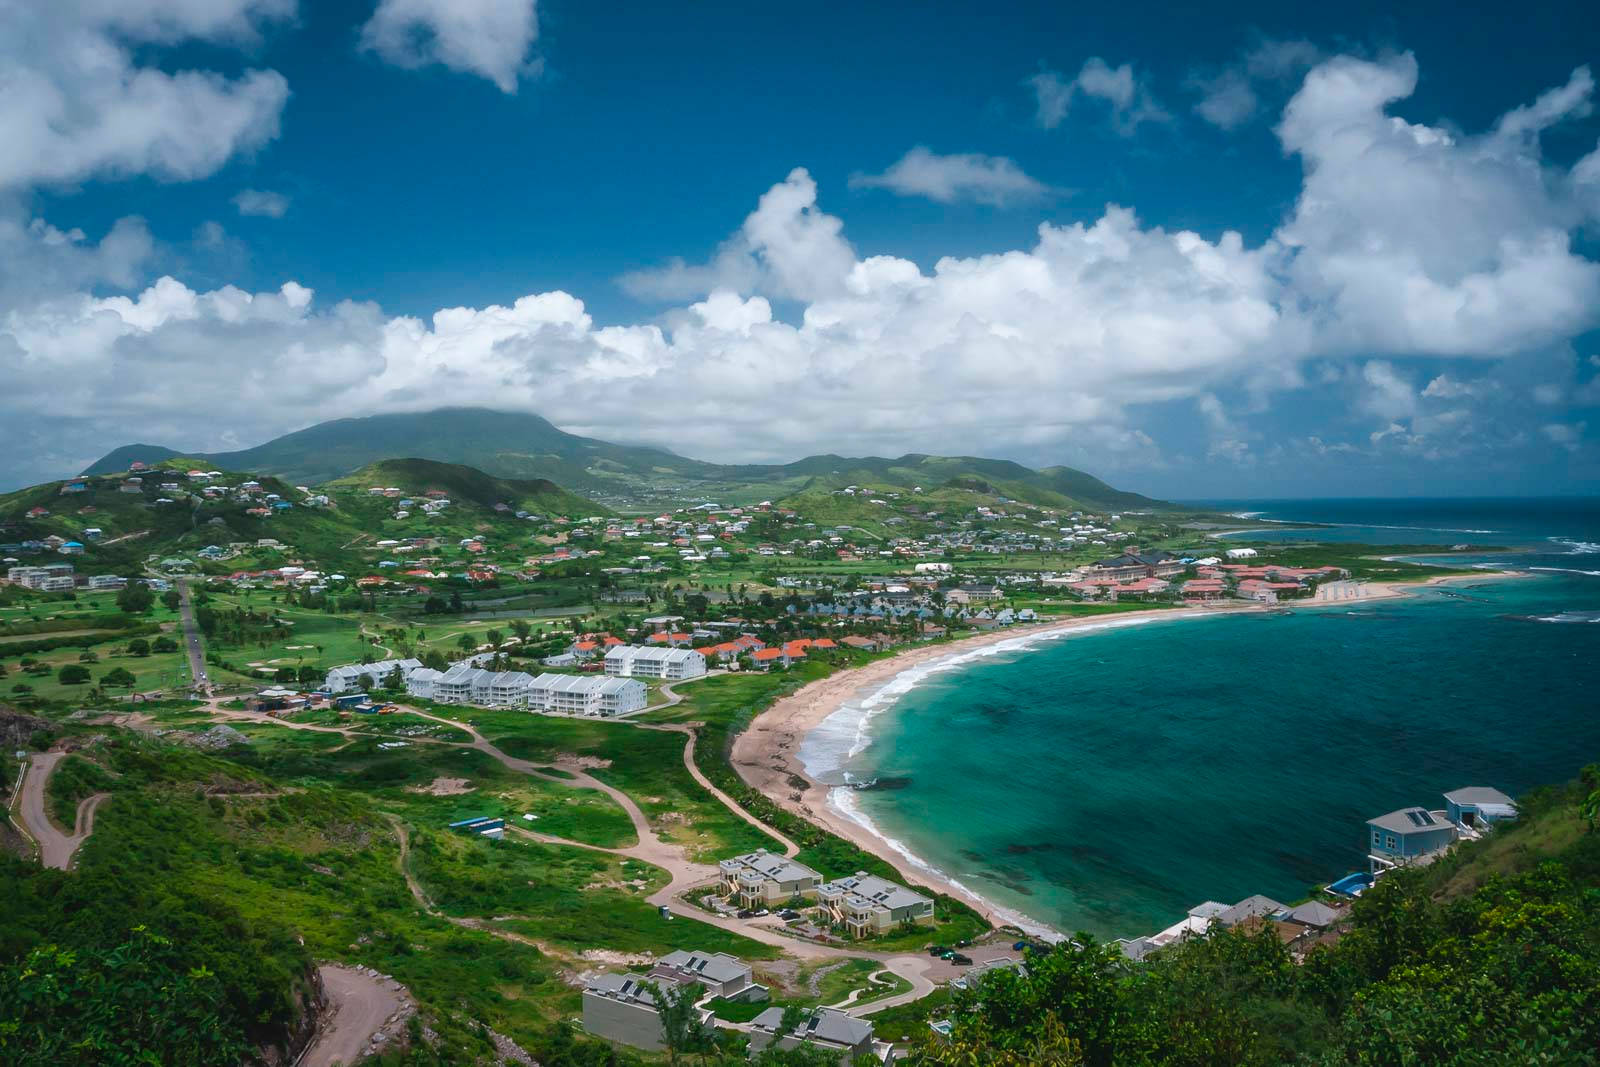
point(1377, 838)
point(1389, 841)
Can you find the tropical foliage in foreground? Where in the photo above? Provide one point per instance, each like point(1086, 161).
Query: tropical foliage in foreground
point(1506, 973)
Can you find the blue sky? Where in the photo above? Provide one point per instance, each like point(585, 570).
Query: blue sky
point(795, 231)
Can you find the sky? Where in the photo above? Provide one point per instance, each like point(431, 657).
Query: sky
point(1283, 253)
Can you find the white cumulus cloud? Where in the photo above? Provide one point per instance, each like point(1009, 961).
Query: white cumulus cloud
point(80, 97)
point(489, 38)
point(1407, 242)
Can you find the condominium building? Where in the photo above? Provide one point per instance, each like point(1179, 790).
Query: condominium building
point(586, 694)
point(636, 661)
point(866, 904)
point(347, 678)
point(764, 879)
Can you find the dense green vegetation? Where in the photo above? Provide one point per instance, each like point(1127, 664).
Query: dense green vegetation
point(1506, 973)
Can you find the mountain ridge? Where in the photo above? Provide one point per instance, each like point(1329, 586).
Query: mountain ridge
point(521, 446)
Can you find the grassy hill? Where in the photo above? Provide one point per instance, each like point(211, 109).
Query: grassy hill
point(156, 522)
point(463, 483)
point(518, 446)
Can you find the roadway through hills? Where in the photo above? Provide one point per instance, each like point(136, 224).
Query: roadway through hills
point(56, 846)
point(191, 639)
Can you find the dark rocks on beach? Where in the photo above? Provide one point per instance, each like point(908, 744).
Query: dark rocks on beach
point(888, 782)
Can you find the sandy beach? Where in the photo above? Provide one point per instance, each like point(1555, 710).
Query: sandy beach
point(766, 754)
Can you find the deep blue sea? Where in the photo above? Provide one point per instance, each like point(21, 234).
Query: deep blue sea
point(1110, 780)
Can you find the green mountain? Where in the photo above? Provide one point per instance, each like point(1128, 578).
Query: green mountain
point(526, 447)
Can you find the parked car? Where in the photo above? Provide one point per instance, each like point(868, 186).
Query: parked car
point(937, 950)
point(959, 960)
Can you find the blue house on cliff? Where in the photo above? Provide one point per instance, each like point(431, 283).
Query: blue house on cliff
point(1407, 836)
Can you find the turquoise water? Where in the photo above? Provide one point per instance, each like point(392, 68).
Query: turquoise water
point(1109, 781)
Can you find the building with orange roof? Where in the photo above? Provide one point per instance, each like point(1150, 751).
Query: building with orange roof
point(764, 659)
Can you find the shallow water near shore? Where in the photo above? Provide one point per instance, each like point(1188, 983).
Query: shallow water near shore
point(1110, 780)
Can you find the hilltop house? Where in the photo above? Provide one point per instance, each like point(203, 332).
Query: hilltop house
point(763, 879)
point(866, 904)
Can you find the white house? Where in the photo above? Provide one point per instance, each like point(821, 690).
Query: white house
point(455, 686)
point(347, 678)
point(628, 661)
point(586, 694)
point(420, 682)
point(1241, 553)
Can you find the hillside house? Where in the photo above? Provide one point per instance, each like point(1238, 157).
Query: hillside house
point(1478, 807)
point(825, 1029)
point(1406, 837)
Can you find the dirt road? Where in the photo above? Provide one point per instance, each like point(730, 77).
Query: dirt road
point(358, 1005)
point(56, 847)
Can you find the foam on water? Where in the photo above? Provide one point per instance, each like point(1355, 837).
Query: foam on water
point(843, 800)
point(846, 733)
point(1576, 548)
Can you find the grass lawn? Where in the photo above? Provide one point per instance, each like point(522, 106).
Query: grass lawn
point(570, 897)
point(645, 764)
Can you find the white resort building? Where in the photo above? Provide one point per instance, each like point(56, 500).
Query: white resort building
point(637, 661)
point(348, 678)
point(586, 694)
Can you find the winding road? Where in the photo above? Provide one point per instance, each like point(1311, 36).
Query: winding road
point(56, 847)
point(359, 1003)
point(923, 973)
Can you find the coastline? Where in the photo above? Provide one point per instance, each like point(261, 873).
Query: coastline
point(767, 754)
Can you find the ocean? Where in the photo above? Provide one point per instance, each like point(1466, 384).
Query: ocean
point(1110, 780)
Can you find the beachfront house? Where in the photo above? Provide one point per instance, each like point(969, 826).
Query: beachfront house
point(638, 661)
point(1478, 807)
point(825, 1029)
point(1406, 837)
point(866, 905)
point(764, 880)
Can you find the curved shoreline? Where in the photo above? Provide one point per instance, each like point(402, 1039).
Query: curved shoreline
point(766, 755)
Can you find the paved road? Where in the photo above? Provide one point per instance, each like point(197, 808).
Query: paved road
point(191, 637)
point(359, 1004)
point(56, 848)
